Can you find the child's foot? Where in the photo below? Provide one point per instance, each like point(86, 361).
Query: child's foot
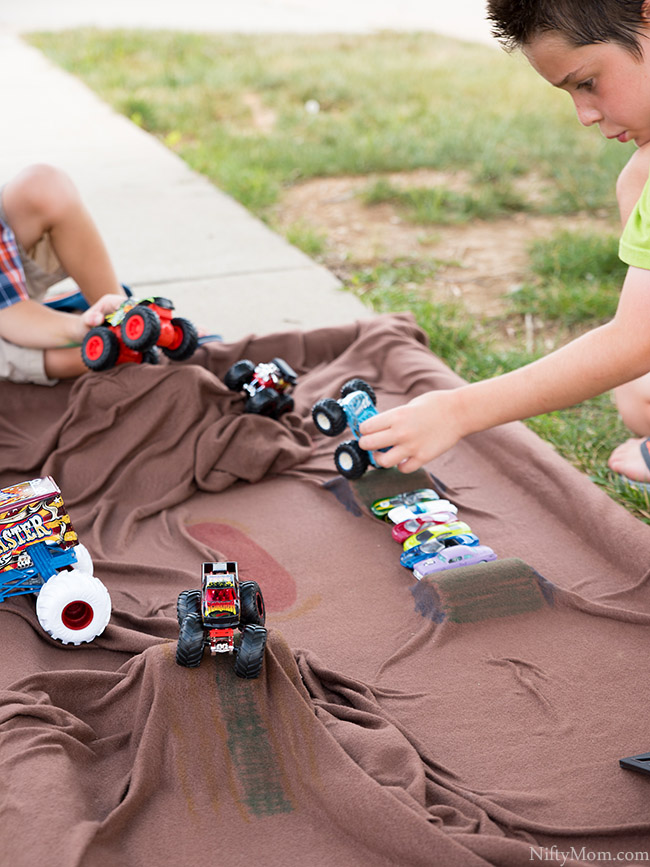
point(632, 460)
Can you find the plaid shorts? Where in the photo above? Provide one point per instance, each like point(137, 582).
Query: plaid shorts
point(41, 269)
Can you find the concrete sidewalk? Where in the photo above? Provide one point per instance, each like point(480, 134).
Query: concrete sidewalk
point(169, 231)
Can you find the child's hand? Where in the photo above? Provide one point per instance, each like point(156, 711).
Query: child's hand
point(96, 313)
point(414, 433)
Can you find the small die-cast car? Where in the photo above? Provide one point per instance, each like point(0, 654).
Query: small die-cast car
point(40, 554)
point(450, 558)
point(381, 508)
point(447, 512)
point(357, 403)
point(209, 617)
point(426, 507)
point(427, 549)
point(265, 384)
point(435, 531)
point(134, 330)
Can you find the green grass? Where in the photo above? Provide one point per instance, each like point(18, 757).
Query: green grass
point(237, 109)
point(442, 206)
point(576, 279)
point(388, 102)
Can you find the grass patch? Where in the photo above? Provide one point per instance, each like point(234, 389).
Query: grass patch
point(387, 102)
point(576, 280)
point(445, 207)
point(306, 239)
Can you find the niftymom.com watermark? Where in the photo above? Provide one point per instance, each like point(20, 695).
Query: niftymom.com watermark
point(555, 855)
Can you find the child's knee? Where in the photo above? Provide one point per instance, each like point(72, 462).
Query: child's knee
point(47, 192)
point(633, 404)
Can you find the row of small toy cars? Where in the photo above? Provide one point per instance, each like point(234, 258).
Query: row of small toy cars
point(432, 537)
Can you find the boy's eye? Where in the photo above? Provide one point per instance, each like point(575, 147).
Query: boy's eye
point(586, 85)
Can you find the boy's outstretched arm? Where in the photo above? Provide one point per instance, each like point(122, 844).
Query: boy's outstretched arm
point(608, 356)
point(30, 324)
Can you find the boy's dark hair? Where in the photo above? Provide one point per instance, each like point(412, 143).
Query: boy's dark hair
point(580, 22)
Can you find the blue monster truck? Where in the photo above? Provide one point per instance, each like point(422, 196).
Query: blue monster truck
point(357, 403)
point(40, 554)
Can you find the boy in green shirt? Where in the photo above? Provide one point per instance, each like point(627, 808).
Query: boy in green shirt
point(599, 52)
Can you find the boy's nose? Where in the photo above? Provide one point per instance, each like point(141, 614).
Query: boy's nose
point(587, 114)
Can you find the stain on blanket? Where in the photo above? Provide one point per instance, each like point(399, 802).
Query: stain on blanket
point(254, 562)
point(358, 496)
point(249, 744)
point(502, 588)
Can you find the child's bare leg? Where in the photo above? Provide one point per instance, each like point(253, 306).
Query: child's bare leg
point(43, 199)
point(64, 363)
point(633, 402)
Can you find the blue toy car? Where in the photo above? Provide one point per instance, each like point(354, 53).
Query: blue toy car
point(432, 546)
point(357, 403)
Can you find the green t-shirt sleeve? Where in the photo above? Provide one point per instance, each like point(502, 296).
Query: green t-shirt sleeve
point(634, 246)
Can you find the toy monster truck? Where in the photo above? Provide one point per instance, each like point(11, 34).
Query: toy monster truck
point(134, 330)
point(40, 553)
point(265, 384)
point(331, 416)
point(210, 616)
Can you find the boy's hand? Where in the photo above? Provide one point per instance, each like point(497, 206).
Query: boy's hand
point(96, 313)
point(414, 433)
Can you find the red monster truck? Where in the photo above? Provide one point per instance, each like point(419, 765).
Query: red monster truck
point(133, 332)
point(265, 385)
point(210, 616)
point(40, 553)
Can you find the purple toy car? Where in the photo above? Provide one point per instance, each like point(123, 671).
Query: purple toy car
point(450, 558)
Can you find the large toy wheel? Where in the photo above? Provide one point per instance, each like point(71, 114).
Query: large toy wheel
point(264, 402)
point(100, 348)
point(140, 328)
point(358, 385)
point(329, 417)
point(250, 655)
point(189, 602)
point(285, 404)
point(252, 608)
point(239, 375)
point(73, 607)
point(287, 372)
point(187, 339)
point(191, 641)
point(351, 460)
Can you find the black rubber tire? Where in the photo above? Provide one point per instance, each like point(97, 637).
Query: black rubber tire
point(150, 331)
point(285, 404)
point(110, 349)
point(329, 417)
point(239, 375)
point(250, 654)
point(151, 356)
point(189, 602)
point(263, 402)
point(189, 341)
point(286, 371)
point(191, 641)
point(252, 604)
point(358, 385)
point(351, 460)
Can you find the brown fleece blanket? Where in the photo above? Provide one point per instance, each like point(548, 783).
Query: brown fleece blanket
point(473, 719)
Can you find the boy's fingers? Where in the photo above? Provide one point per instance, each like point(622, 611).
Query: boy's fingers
point(380, 440)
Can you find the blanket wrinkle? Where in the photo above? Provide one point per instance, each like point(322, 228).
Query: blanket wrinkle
point(531, 678)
